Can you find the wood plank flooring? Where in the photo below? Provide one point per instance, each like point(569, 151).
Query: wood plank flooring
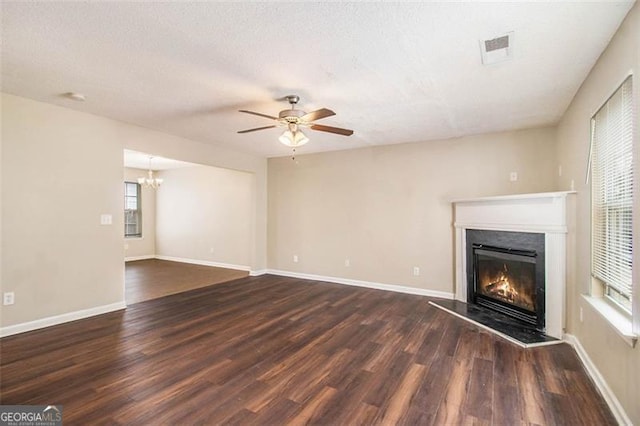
point(272, 350)
point(153, 278)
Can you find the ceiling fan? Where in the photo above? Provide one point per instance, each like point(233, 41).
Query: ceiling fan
point(293, 119)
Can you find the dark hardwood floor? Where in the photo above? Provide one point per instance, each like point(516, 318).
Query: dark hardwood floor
point(271, 350)
point(153, 278)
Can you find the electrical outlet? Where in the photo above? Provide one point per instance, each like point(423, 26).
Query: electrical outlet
point(513, 176)
point(9, 298)
point(211, 250)
point(295, 258)
point(581, 317)
point(560, 170)
point(416, 271)
point(347, 262)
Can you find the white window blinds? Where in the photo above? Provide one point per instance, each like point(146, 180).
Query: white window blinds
point(611, 194)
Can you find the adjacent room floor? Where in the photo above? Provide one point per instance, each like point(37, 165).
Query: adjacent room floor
point(272, 350)
point(153, 278)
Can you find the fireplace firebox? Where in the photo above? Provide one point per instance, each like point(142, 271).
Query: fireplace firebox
point(506, 274)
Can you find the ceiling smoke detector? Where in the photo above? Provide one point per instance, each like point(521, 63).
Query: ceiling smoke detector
point(75, 96)
point(497, 49)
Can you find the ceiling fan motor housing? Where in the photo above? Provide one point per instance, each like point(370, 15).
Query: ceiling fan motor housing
point(291, 115)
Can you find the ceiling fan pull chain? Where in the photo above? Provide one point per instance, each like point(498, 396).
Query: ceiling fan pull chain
point(293, 155)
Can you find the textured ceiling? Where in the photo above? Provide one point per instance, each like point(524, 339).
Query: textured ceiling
point(393, 72)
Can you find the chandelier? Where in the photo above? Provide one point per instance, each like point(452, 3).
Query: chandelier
point(150, 181)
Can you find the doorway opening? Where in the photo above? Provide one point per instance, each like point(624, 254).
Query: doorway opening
point(191, 231)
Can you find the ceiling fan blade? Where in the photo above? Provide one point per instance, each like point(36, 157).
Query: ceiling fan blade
point(320, 127)
point(256, 129)
point(258, 114)
point(317, 115)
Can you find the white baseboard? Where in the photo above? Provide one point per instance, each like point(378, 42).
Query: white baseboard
point(601, 384)
point(367, 284)
point(59, 319)
point(258, 272)
point(134, 258)
point(204, 263)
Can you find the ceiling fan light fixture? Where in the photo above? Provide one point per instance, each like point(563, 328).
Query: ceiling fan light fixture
point(293, 139)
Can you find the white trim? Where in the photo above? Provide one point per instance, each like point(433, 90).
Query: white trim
point(461, 264)
point(556, 194)
point(496, 332)
point(258, 272)
point(367, 284)
point(204, 263)
point(549, 229)
point(60, 319)
point(620, 322)
point(555, 284)
point(134, 258)
point(598, 380)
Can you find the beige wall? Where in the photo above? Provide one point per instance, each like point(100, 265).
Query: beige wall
point(388, 209)
point(204, 213)
point(66, 170)
point(146, 245)
point(618, 362)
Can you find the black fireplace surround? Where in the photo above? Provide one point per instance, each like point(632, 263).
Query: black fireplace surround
point(497, 258)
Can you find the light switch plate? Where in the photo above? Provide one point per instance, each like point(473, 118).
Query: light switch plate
point(106, 219)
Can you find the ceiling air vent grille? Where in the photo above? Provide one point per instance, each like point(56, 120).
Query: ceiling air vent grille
point(497, 49)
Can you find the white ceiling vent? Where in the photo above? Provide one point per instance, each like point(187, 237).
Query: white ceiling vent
point(497, 49)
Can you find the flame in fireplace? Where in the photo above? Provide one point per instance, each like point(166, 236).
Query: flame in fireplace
point(502, 287)
point(506, 279)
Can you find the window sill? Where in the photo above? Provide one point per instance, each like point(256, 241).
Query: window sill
point(620, 322)
point(134, 238)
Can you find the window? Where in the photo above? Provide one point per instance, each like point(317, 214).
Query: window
point(132, 212)
point(611, 196)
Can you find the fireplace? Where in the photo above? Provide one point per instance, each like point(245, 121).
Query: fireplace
point(541, 220)
point(506, 274)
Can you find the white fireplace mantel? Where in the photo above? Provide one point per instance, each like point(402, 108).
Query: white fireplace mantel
point(540, 213)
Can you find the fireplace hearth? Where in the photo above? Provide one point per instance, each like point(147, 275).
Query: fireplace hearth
point(506, 274)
